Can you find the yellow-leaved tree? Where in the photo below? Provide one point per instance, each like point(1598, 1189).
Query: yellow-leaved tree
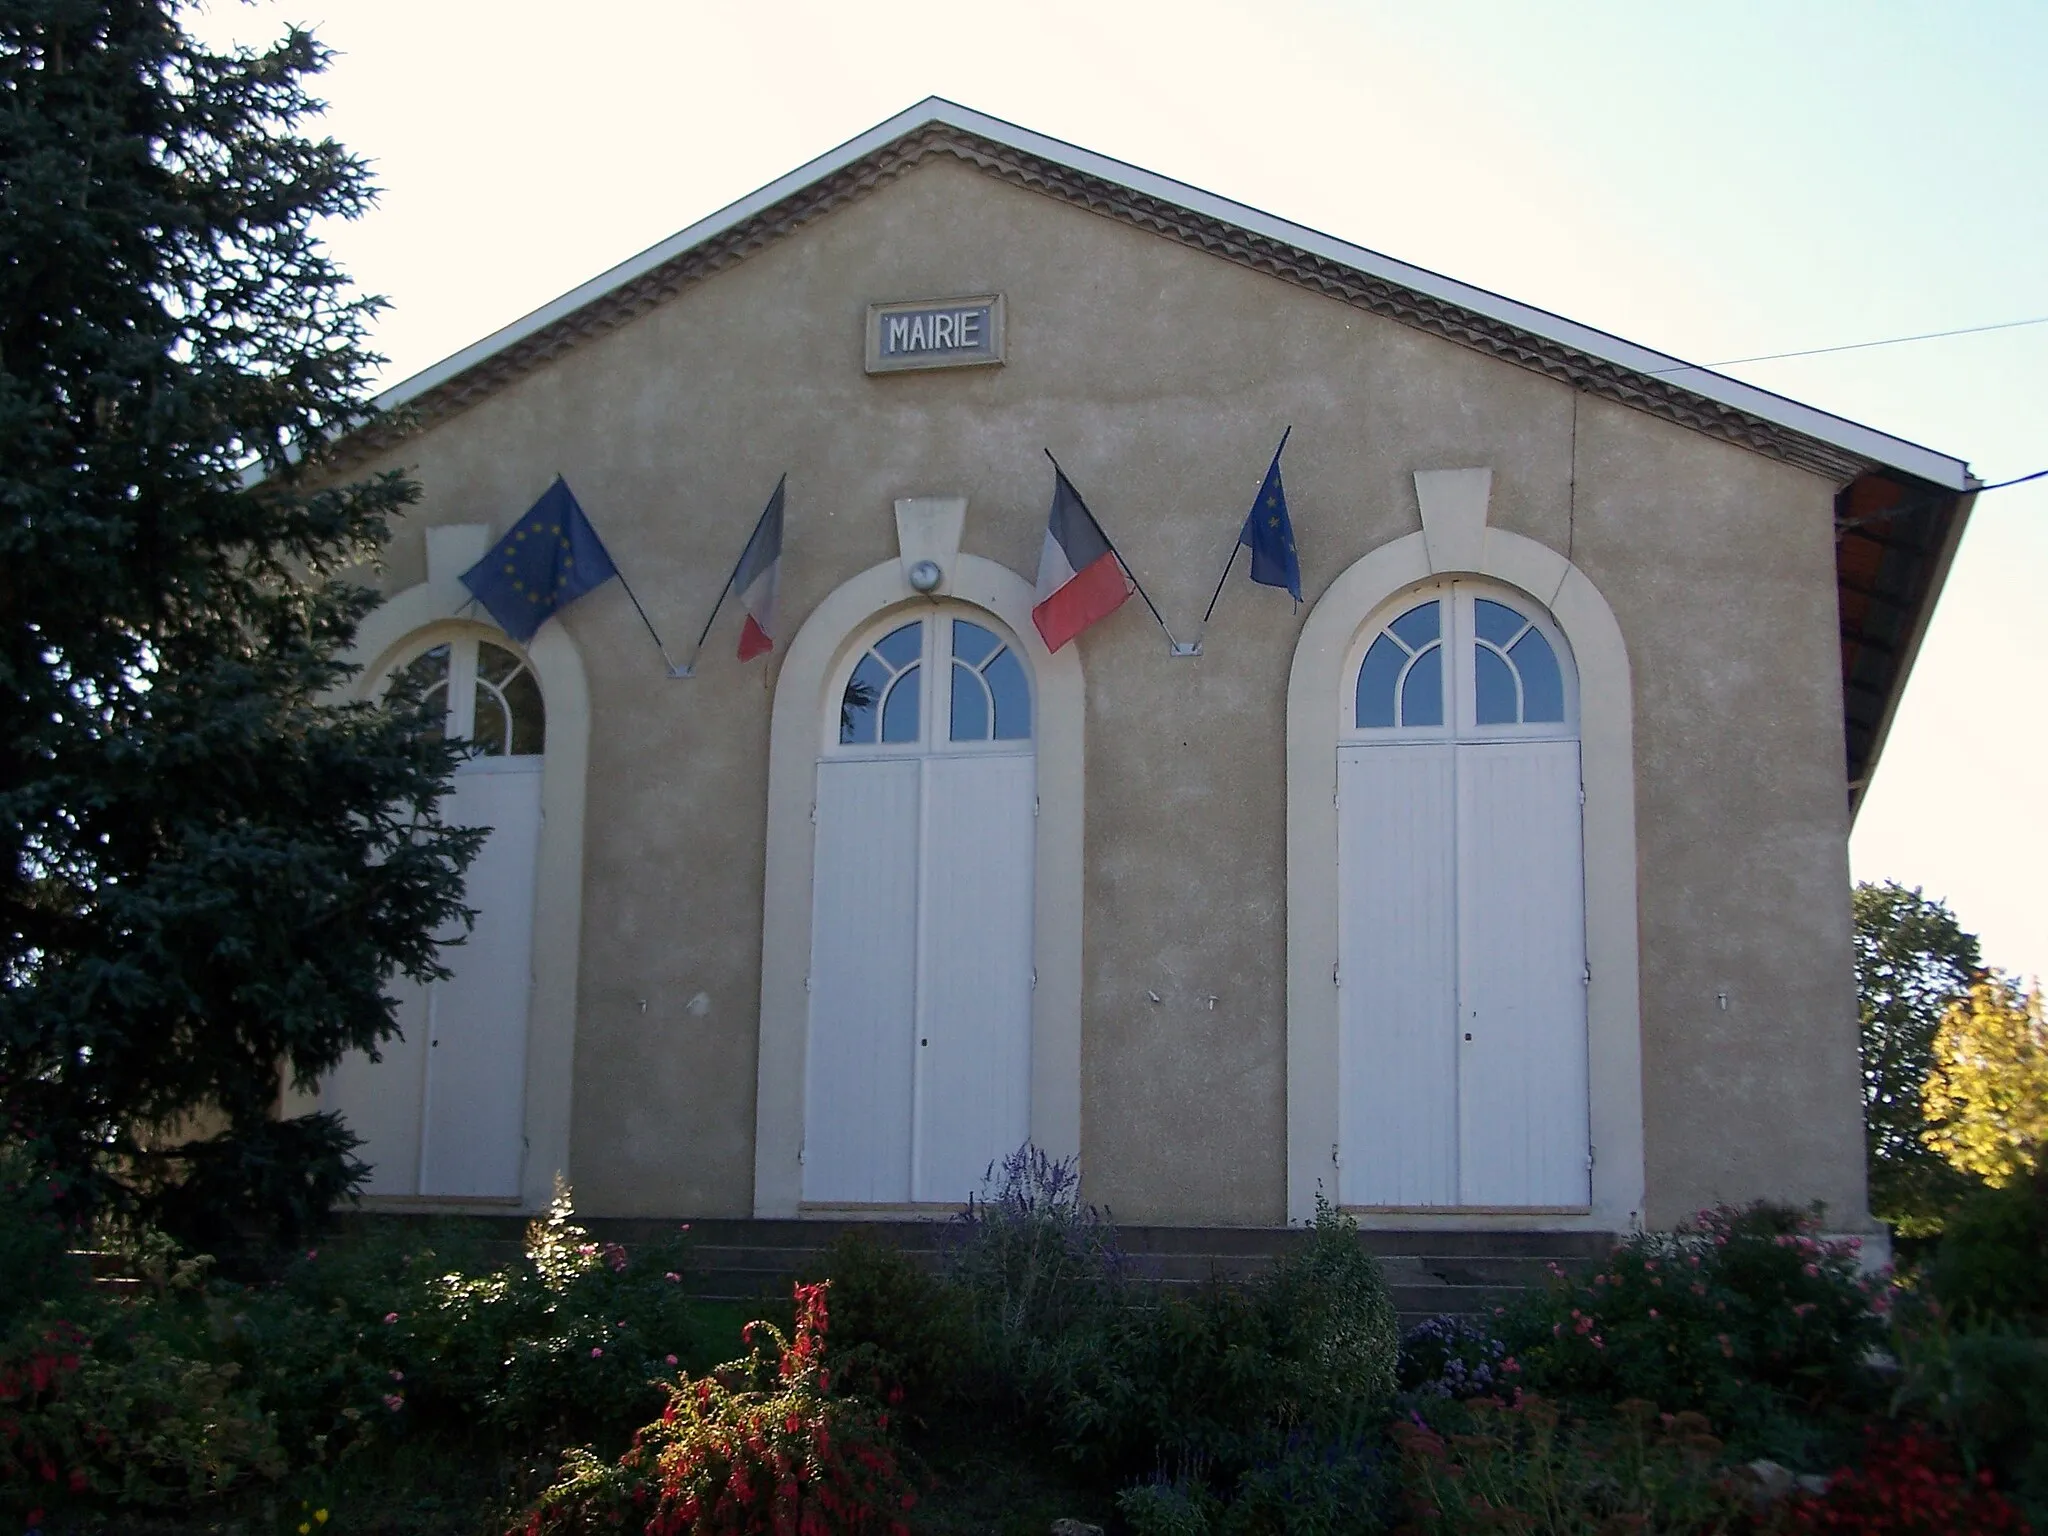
point(1986, 1097)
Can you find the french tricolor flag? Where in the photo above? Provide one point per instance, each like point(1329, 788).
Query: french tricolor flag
point(754, 578)
point(1080, 578)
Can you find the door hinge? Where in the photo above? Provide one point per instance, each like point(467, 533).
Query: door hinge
point(814, 813)
point(800, 1150)
point(1336, 975)
point(1589, 1158)
point(1586, 975)
point(1582, 794)
point(1034, 978)
point(1034, 805)
point(1336, 1159)
point(807, 983)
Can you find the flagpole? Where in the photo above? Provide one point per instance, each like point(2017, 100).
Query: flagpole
point(652, 633)
point(690, 669)
point(1232, 560)
point(665, 661)
point(1121, 561)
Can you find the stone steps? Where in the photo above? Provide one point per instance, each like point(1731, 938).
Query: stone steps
point(1429, 1273)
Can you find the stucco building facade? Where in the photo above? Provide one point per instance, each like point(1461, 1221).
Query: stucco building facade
point(1232, 928)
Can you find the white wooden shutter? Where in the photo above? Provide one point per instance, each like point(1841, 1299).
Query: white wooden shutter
point(860, 1061)
point(1521, 947)
point(974, 1004)
point(1397, 970)
point(473, 1139)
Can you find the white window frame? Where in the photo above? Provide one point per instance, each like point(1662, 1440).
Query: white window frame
point(1458, 636)
point(935, 663)
point(460, 690)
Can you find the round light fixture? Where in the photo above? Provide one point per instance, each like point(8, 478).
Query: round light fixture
point(925, 576)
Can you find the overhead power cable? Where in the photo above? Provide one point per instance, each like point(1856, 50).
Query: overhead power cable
point(1854, 346)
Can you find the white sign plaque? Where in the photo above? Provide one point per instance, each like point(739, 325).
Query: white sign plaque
point(935, 333)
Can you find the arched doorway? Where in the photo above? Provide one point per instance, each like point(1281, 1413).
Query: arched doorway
point(918, 1059)
point(1462, 918)
point(443, 1111)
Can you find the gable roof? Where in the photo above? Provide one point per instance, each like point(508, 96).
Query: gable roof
point(1899, 517)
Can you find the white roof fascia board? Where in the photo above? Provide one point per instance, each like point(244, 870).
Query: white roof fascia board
point(1863, 442)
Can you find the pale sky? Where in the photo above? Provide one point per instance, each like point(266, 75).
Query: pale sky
point(1715, 181)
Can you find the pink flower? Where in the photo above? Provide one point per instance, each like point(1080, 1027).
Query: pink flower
point(398, 1375)
point(671, 1359)
point(1653, 1311)
point(390, 1317)
point(312, 1254)
point(595, 1352)
point(394, 1401)
point(1812, 1271)
point(673, 1278)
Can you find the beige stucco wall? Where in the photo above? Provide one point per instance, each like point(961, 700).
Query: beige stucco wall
point(1161, 377)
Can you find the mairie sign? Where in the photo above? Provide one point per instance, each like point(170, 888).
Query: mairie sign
point(935, 333)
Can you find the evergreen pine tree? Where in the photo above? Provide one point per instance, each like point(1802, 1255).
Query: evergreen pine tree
point(212, 871)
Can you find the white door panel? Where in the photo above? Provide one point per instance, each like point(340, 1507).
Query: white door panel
point(858, 1070)
point(473, 1137)
point(1398, 964)
point(380, 1099)
point(1521, 949)
point(974, 1006)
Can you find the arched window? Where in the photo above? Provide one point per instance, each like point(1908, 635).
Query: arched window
point(1461, 910)
point(486, 694)
point(918, 1062)
point(1462, 661)
point(986, 695)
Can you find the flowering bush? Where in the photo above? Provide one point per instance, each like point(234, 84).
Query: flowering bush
point(757, 1446)
point(1742, 1314)
point(1521, 1466)
point(1456, 1357)
point(1907, 1486)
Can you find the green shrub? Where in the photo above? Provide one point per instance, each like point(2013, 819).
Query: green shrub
point(1523, 1466)
point(1312, 1488)
point(1984, 1385)
point(1746, 1315)
point(1993, 1257)
point(1176, 1506)
point(898, 1331)
point(757, 1447)
point(33, 1239)
point(1036, 1269)
point(1225, 1374)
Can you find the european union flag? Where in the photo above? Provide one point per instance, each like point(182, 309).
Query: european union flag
point(1270, 536)
point(551, 557)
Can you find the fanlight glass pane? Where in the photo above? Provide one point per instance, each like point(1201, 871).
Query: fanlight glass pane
point(1012, 692)
point(860, 707)
point(1494, 687)
point(900, 646)
point(490, 730)
point(494, 663)
point(1418, 626)
point(428, 674)
point(1542, 679)
point(1376, 682)
point(899, 708)
point(971, 643)
point(970, 704)
point(1496, 622)
point(1422, 695)
point(529, 717)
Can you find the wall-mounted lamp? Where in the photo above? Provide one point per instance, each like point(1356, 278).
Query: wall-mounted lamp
point(925, 576)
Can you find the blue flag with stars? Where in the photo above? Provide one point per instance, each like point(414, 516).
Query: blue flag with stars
point(1269, 535)
point(551, 557)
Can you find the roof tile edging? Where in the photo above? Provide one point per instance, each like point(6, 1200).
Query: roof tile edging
point(1379, 296)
